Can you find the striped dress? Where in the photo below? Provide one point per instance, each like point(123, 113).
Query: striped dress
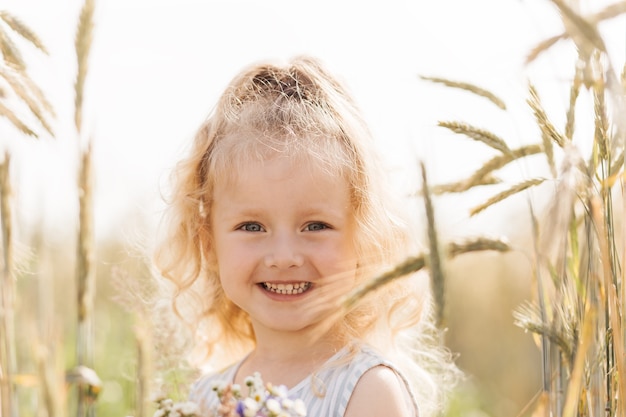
point(333, 385)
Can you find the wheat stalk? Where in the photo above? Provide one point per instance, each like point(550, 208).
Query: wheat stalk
point(416, 263)
point(530, 317)
point(583, 29)
point(461, 186)
point(52, 386)
point(434, 259)
point(517, 188)
point(86, 274)
point(25, 89)
point(24, 31)
point(488, 138)
point(543, 46)
point(472, 88)
point(8, 363)
point(579, 308)
point(15, 121)
point(576, 381)
point(13, 70)
point(408, 266)
point(573, 97)
point(86, 271)
point(601, 123)
point(548, 131)
point(476, 245)
point(10, 53)
point(614, 311)
point(482, 176)
point(583, 32)
point(84, 37)
point(144, 347)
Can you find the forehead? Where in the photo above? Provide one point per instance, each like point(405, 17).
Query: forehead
point(236, 154)
point(282, 187)
point(283, 171)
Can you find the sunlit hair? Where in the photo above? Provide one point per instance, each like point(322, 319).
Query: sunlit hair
point(299, 110)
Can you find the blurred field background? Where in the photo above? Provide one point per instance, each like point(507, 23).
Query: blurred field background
point(155, 69)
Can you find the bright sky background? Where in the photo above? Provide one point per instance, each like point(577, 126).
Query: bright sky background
point(158, 66)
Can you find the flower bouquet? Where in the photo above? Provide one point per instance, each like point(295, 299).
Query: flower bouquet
point(263, 400)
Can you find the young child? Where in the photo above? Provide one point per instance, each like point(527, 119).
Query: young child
point(281, 209)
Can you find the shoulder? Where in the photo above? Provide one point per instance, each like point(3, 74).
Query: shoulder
point(380, 391)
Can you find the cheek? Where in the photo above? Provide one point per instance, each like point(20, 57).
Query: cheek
point(340, 260)
point(234, 263)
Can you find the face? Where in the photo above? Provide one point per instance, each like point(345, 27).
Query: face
point(283, 238)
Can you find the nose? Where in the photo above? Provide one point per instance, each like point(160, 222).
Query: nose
point(283, 252)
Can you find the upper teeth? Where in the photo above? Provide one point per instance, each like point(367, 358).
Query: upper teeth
point(296, 288)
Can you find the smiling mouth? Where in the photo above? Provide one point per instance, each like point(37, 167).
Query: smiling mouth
point(290, 289)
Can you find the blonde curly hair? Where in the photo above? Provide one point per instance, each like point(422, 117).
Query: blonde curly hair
point(300, 110)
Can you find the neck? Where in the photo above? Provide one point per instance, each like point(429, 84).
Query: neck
point(293, 346)
point(286, 358)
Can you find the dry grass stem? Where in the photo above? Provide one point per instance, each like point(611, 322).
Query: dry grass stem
point(416, 263)
point(15, 121)
point(37, 94)
point(51, 384)
point(584, 33)
point(483, 175)
point(409, 266)
point(500, 161)
point(135, 295)
point(8, 362)
point(548, 131)
point(461, 186)
point(576, 380)
point(33, 98)
point(144, 347)
point(608, 12)
point(613, 309)
point(24, 31)
point(10, 53)
point(578, 311)
point(84, 36)
point(434, 259)
point(544, 46)
point(573, 97)
point(529, 317)
point(601, 133)
point(488, 138)
point(13, 71)
point(507, 193)
point(86, 275)
point(542, 302)
point(85, 255)
point(617, 104)
point(468, 87)
point(617, 165)
point(477, 245)
point(572, 185)
point(541, 117)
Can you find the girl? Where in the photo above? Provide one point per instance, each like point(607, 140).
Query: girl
point(279, 211)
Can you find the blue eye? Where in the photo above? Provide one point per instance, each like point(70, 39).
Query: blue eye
point(251, 227)
point(314, 227)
